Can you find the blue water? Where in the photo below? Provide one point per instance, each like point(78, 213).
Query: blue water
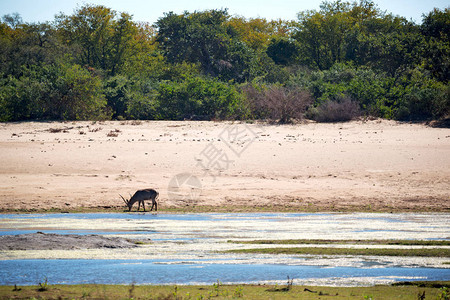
point(72, 271)
point(162, 216)
point(31, 272)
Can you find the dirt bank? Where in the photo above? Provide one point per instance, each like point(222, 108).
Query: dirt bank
point(371, 166)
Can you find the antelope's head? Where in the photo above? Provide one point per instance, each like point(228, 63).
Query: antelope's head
point(127, 202)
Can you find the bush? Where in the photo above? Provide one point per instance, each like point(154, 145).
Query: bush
point(19, 99)
point(142, 107)
point(117, 93)
point(430, 101)
point(198, 98)
point(139, 99)
point(79, 96)
point(278, 103)
point(52, 92)
point(336, 111)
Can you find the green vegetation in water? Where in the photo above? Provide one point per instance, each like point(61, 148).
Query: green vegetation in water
point(438, 252)
point(352, 242)
point(407, 290)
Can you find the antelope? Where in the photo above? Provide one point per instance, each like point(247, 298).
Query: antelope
point(140, 196)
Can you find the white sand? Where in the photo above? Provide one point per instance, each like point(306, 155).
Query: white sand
point(374, 165)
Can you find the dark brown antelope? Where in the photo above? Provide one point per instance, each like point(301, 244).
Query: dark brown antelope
point(140, 196)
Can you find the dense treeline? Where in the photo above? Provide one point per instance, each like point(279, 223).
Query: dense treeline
point(344, 60)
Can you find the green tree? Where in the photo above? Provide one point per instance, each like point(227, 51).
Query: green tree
point(25, 45)
point(78, 95)
point(104, 39)
point(257, 33)
point(322, 34)
point(282, 50)
point(207, 39)
point(437, 24)
point(436, 51)
point(390, 44)
point(360, 33)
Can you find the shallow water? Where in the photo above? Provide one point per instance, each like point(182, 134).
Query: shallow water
point(179, 272)
point(185, 248)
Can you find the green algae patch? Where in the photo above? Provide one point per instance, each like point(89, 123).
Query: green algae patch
point(435, 252)
point(350, 242)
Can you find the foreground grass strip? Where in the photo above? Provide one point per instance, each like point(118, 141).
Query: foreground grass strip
point(351, 242)
point(434, 290)
point(348, 251)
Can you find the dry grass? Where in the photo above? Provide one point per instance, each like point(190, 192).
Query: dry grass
point(113, 133)
point(57, 130)
point(278, 103)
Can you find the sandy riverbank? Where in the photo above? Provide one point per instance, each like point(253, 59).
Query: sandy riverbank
point(372, 166)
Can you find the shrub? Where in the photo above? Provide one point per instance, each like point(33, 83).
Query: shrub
point(278, 103)
point(80, 95)
point(372, 90)
point(432, 100)
point(117, 93)
point(337, 111)
point(198, 98)
point(52, 92)
point(142, 106)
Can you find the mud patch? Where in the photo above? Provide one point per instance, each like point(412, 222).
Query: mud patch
point(52, 241)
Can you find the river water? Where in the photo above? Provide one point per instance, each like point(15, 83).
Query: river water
point(186, 249)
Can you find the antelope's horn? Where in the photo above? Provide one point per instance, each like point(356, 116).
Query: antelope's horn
point(126, 202)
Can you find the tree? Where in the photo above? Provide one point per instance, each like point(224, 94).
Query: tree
point(437, 24)
point(13, 20)
point(283, 51)
point(198, 37)
point(436, 53)
point(388, 43)
point(321, 34)
point(257, 33)
point(104, 40)
point(360, 33)
point(25, 45)
point(204, 38)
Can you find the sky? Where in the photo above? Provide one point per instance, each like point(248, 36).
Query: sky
point(151, 10)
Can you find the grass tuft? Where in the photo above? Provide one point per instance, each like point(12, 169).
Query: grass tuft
point(44, 286)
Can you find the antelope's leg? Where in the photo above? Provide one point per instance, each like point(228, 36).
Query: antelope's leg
point(143, 204)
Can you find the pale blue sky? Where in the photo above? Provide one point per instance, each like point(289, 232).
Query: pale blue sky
point(150, 11)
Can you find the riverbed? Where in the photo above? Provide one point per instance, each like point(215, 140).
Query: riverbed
point(187, 248)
